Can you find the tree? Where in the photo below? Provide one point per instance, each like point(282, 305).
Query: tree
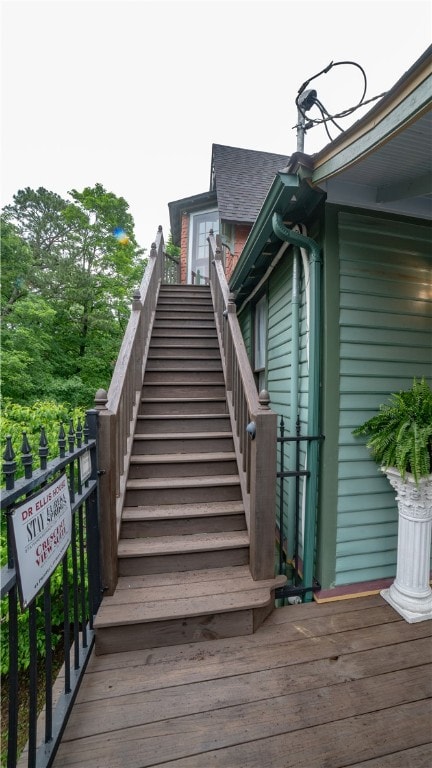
point(71, 296)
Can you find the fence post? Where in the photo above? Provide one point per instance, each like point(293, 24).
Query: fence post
point(263, 491)
point(107, 462)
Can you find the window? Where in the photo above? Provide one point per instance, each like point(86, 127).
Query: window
point(260, 340)
point(201, 224)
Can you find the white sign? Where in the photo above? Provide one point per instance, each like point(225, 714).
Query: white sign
point(42, 528)
point(85, 466)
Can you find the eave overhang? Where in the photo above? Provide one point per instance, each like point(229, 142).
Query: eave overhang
point(383, 162)
point(294, 199)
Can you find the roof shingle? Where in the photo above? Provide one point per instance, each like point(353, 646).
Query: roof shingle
point(242, 179)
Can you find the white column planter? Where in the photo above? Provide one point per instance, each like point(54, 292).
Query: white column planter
point(410, 594)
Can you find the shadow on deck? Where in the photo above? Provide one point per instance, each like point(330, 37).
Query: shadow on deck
point(318, 685)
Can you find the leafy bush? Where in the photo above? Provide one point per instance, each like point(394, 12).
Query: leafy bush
point(16, 419)
point(400, 435)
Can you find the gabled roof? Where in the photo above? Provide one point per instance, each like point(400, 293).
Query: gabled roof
point(242, 178)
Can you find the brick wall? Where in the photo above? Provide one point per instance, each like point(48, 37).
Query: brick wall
point(241, 232)
point(184, 246)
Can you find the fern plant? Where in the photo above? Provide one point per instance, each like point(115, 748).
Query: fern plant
point(400, 434)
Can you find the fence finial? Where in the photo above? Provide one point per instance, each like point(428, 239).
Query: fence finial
point(9, 464)
point(136, 300)
point(264, 399)
point(26, 456)
point(43, 449)
point(101, 399)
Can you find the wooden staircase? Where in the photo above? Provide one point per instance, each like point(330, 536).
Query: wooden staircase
point(183, 552)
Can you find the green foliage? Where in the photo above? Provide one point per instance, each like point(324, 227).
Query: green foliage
point(171, 249)
point(14, 420)
point(400, 435)
point(66, 292)
point(57, 621)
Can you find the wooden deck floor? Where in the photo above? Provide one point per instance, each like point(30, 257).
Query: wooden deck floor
point(318, 686)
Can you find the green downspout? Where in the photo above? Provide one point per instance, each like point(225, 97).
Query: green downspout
point(303, 241)
point(295, 299)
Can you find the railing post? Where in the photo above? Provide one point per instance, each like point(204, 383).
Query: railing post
point(263, 491)
point(107, 462)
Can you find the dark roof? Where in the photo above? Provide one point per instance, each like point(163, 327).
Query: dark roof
point(242, 178)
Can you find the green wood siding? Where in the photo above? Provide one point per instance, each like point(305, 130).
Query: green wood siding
point(245, 322)
point(279, 370)
point(279, 376)
point(385, 339)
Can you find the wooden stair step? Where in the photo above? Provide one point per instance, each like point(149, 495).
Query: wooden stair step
point(182, 375)
point(195, 542)
point(183, 458)
point(169, 400)
point(185, 301)
point(176, 309)
point(182, 519)
point(176, 511)
point(162, 341)
point(184, 364)
point(163, 609)
point(183, 442)
point(198, 391)
point(182, 435)
point(184, 354)
point(198, 330)
point(180, 424)
point(176, 465)
point(184, 490)
point(182, 589)
point(186, 578)
point(182, 482)
point(137, 613)
point(181, 406)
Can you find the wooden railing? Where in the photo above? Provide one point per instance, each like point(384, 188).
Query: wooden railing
point(255, 435)
point(118, 410)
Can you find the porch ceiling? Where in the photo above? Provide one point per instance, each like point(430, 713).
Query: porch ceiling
point(395, 178)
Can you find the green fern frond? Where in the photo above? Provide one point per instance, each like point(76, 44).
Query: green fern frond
point(400, 434)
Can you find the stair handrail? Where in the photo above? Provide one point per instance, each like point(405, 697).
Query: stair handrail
point(118, 410)
point(255, 433)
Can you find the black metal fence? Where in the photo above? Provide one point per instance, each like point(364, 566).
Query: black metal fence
point(171, 269)
point(57, 625)
point(295, 588)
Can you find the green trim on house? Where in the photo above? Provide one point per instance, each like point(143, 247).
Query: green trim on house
point(288, 196)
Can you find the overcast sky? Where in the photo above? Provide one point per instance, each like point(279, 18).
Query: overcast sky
point(132, 93)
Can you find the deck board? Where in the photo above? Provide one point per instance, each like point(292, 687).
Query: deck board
point(318, 686)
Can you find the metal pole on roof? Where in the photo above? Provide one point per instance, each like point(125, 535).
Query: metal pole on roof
point(300, 131)
point(304, 102)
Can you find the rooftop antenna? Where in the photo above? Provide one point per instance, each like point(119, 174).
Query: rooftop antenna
point(306, 99)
